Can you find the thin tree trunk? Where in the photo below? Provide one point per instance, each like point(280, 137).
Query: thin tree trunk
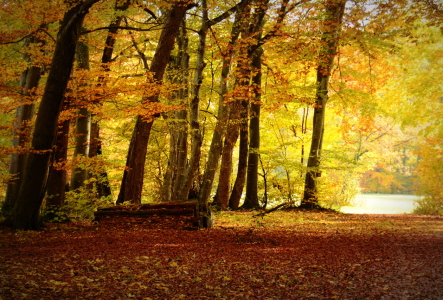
point(331, 35)
point(251, 198)
point(102, 186)
point(196, 134)
point(132, 182)
point(220, 127)
point(82, 125)
point(237, 190)
point(251, 58)
point(27, 209)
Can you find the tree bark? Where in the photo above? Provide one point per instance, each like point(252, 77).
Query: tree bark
point(132, 182)
point(102, 186)
point(29, 81)
point(237, 190)
point(58, 175)
point(224, 179)
point(247, 71)
point(178, 127)
point(331, 34)
point(196, 134)
point(82, 124)
point(251, 198)
point(27, 209)
point(220, 127)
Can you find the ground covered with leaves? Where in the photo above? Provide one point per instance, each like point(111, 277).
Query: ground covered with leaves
point(284, 255)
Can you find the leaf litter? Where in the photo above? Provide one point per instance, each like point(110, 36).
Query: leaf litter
point(286, 255)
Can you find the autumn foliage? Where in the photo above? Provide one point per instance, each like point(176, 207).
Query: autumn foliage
point(243, 103)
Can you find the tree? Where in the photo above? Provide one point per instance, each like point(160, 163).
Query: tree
point(26, 211)
point(222, 114)
point(82, 123)
point(29, 81)
point(334, 10)
point(132, 182)
point(254, 137)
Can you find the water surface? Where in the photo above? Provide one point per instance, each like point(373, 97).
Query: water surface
point(381, 204)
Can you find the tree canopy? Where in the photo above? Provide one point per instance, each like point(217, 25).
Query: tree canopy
point(137, 101)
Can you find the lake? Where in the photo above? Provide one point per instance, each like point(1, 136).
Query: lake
point(381, 204)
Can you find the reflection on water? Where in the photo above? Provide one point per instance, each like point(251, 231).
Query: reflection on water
point(381, 204)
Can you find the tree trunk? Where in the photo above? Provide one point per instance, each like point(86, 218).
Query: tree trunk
point(26, 212)
point(178, 127)
point(251, 199)
point(82, 125)
point(196, 134)
point(29, 82)
point(132, 182)
point(220, 127)
point(237, 190)
point(102, 186)
point(58, 176)
point(248, 69)
point(224, 179)
point(331, 35)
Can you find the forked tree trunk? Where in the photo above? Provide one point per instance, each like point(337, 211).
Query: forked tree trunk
point(221, 124)
point(24, 115)
point(26, 212)
point(331, 34)
point(196, 134)
point(254, 31)
point(132, 182)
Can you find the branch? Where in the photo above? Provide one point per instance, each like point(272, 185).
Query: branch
point(41, 28)
point(281, 16)
point(228, 13)
point(262, 214)
point(17, 41)
point(142, 55)
point(119, 27)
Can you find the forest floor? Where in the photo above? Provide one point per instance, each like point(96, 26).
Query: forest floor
point(284, 255)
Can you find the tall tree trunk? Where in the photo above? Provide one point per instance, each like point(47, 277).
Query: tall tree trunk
point(95, 148)
point(220, 127)
point(26, 212)
point(331, 34)
point(247, 70)
point(251, 198)
point(243, 149)
point(58, 175)
point(196, 134)
point(82, 124)
point(194, 106)
point(224, 179)
point(178, 127)
point(29, 81)
point(132, 182)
